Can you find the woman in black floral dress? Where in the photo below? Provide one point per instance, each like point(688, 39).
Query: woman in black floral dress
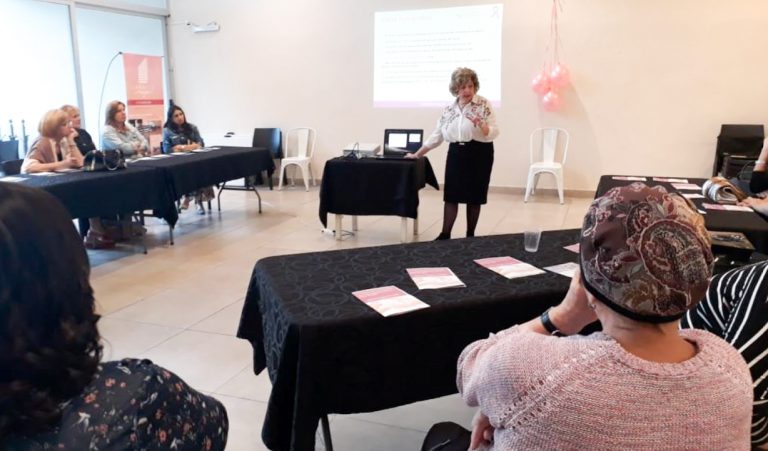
point(55, 393)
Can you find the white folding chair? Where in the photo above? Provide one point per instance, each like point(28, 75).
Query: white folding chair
point(545, 142)
point(299, 147)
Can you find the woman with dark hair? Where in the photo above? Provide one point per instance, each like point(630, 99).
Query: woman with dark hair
point(54, 391)
point(640, 383)
point(181, 136)
point(469, 125)
point(118, 134)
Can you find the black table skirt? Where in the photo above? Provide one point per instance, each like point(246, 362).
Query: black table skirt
point(188, 172)
point(107, 193)
point(751, 224)
point(371, 186)
point(326, 352)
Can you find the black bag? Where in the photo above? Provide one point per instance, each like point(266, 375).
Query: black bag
point(104, 160)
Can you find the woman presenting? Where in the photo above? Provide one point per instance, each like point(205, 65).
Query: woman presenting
point(469, 125)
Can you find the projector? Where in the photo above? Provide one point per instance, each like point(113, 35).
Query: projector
point(361, 150)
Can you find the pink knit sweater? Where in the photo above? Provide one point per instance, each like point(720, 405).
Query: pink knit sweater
point(543, 392)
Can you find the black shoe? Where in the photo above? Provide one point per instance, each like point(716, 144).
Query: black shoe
point(443, 236)
point(470, 234)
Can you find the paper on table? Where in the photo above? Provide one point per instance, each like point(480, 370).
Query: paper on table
point(46, 173)
point(161, 155)
point(692, 195)
point(572, 248)
point(565, 269)
point(686, 186)
point(431, 278)
point(141, 159)
point(204, 149)
point(726, 207)
point(389, 300)
point(627, 177)
point(669, 180)
point(509, 267)
point(12, 179)
point(65, 170)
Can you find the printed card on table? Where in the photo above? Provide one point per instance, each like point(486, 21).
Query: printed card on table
point(692, 195)
point(431, 278)
point(509, 267)
point(564, 269)
point(686, 186)
point(630, 178)
point(726, 207)
point(669, 180)
point(12, 179)
point(389, 300)
point(573, 248)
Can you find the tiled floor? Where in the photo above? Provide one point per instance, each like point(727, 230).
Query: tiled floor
point(180, 305)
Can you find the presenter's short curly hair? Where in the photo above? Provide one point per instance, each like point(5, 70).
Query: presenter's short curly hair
point(461, 77)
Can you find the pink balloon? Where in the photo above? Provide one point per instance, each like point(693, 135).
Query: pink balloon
point(551, 101)
point(560, 76)
point(540, 83)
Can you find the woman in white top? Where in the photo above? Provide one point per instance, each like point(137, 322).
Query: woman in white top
point(53, 149)
point(469, 125)
point(120, 135)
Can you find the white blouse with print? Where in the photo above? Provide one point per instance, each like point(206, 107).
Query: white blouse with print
point(455, 125)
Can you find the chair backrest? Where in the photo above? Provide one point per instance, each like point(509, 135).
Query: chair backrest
point(11, 167)
point(547, 143)
point(300, 143)
point(271, 138)
point(401, 138)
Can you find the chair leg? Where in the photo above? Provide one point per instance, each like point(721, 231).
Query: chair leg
point(559, 179)
point(528, 186)
point(535, 183)
point(282, 174)
point(311, 176)
point(304, 177)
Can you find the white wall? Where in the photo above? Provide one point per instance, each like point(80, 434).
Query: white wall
point(652, 79)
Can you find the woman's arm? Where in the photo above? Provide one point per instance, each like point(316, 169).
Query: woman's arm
point(434, 140)
point(111, 140)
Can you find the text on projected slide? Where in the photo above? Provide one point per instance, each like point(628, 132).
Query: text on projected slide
point(416, 51)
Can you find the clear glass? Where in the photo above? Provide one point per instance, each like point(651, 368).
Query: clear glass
point(38, 74)
point(531, 240)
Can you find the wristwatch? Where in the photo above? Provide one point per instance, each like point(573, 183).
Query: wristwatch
point(546, 321)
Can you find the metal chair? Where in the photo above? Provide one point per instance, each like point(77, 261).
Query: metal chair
point(299, 148)
point(549, 140)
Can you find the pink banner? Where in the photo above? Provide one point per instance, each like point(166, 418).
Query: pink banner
point(145, 97)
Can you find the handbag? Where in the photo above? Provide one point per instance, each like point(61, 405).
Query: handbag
point(104, 160)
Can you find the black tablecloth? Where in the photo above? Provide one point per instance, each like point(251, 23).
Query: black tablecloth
point(372, 186)
point(751, 224)
point(327, 352)
point(107, 193)
point(188, 172)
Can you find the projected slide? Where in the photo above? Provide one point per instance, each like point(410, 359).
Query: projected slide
point(415, 52)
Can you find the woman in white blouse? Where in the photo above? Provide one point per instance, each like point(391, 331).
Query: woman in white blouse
point(469, 125)
point(121, 135)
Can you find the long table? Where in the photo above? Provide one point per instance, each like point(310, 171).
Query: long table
point(374, 186)
point(326, 352)
point(751, 224)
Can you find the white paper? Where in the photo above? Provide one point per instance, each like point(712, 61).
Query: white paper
point(432, 278)
point(692, 195)
point(669, 180)
point(565, 269)
point(162, 155)
point(509, 267)
point(65, 170)
point(12, 179)
point(726, 207)
point(686, 186)
point(389, 300)
point(45, 174)
point(630, 178)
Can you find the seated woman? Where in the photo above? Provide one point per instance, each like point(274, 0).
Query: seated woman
point(81, 138)
point(641, 383)
point(55, 392)
point(181, 136)
point(736, 308)
point(119, 134)
point(52, 150)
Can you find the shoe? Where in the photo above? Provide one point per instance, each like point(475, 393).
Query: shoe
point(470, 234)
point(200, 209)
point(94, 240)
point(443, 236)
point(185, 203)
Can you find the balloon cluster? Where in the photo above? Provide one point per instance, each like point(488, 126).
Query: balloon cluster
point(548, 82)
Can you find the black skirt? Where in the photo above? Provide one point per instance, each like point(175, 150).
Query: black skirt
point(468, 172)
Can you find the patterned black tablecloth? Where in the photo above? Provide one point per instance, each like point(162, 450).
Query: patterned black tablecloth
point(327, 352)
point(372, 186)
point(751, 224)
point(107, 193)
point(187, 172)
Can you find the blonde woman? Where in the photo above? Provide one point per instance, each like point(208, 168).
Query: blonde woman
point(53, 149)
